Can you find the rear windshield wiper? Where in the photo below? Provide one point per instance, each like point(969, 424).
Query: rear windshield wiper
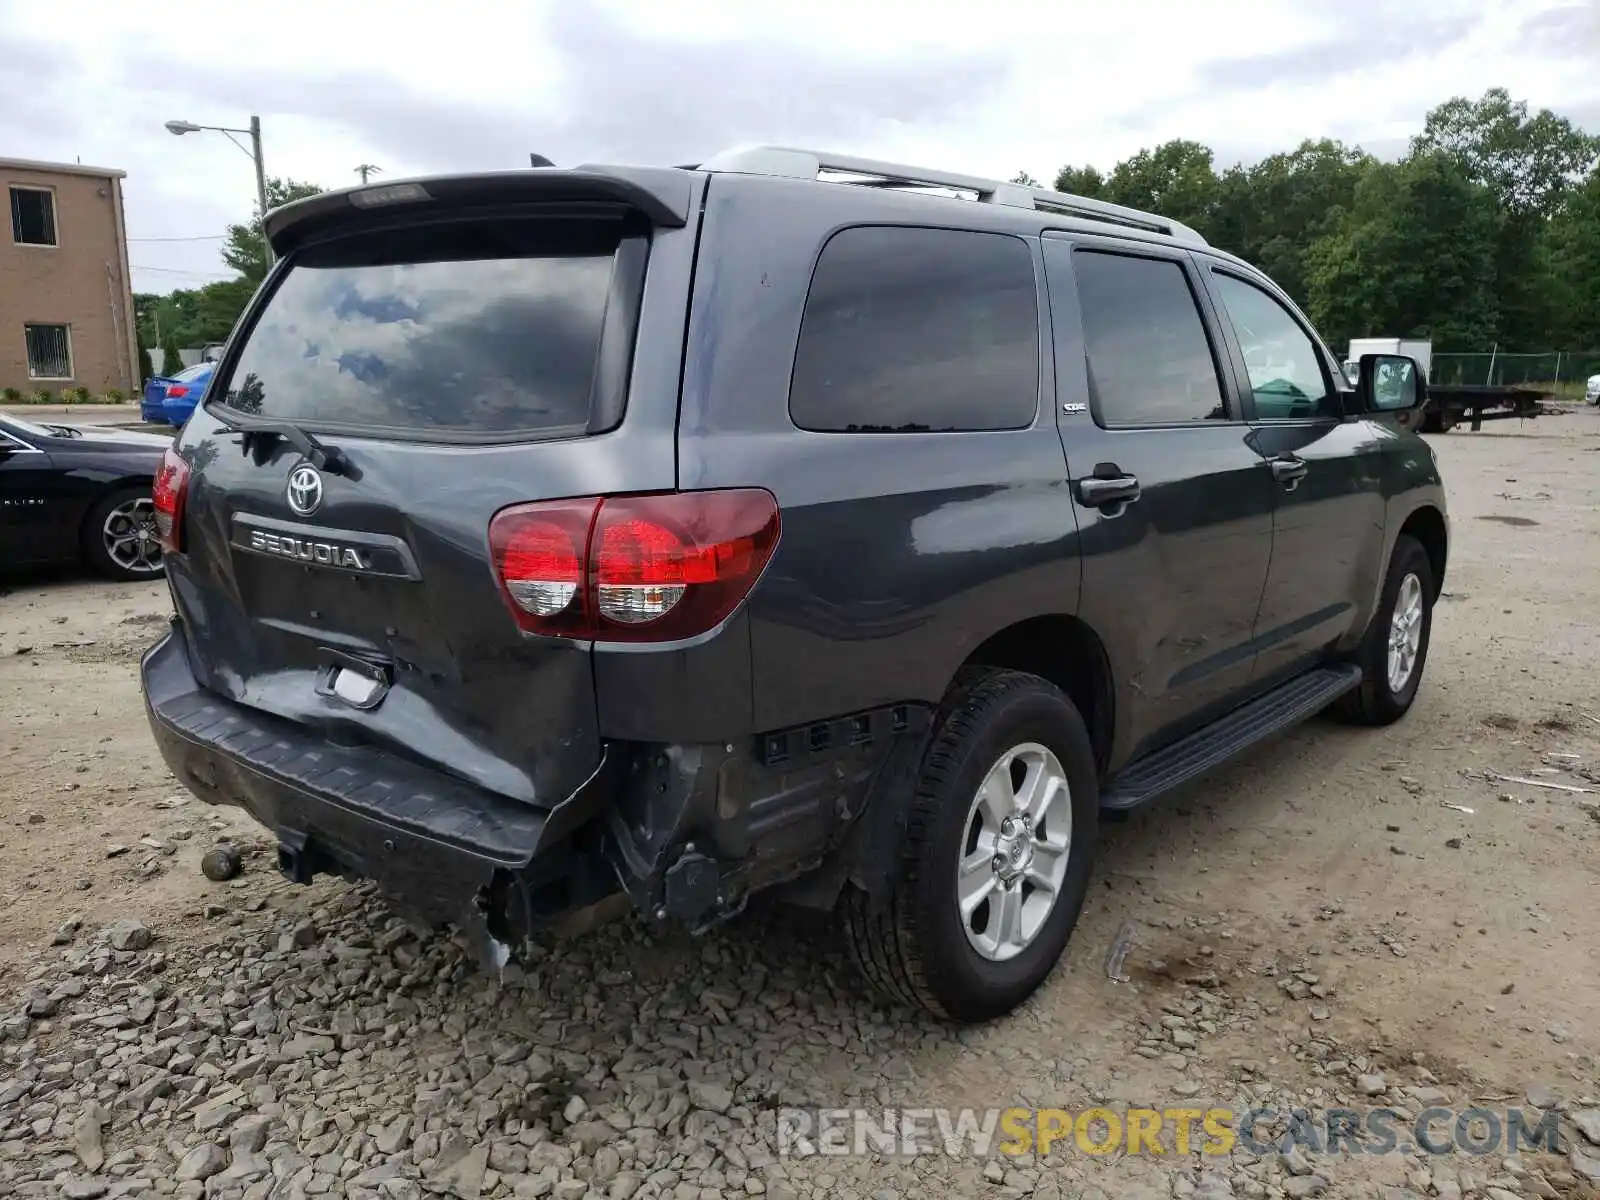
point(325, 458)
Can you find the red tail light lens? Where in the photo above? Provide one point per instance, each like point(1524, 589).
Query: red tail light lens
point(168, 494)
point(176, 391)
point(539, 552)
point(633, 568)
point(680, 563)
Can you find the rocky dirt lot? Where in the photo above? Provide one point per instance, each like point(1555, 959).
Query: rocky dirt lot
point(1345, 918)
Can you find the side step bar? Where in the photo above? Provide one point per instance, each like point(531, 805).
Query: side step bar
point(1284, 706)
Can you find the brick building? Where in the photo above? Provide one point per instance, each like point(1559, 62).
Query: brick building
point(66, 302)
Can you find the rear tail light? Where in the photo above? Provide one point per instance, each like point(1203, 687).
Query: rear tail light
point(167, 494)
point(633, 568)
point(176, 391)
point(539, 555)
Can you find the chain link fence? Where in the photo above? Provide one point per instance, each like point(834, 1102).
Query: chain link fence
point(1562, 372)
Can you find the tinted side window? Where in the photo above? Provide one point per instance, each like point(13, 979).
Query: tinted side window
point(1286, 375)
point(908, 330)
point(1150, 361)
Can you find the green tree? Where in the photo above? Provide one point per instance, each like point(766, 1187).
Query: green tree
point(171, 364)
point(1413, 257)
point(243, 250)
point(1313, 219)
point(146, 307)
point(1176, 179)
point(218, 307)
point(1023, 179)
point(1529, 161)
point(1271, 213)
point(146, 371)
point(1525, 279)
point(1575, 253)
point(1081, 181)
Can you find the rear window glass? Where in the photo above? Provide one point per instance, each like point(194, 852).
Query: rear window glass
point(479, 329)
point(194, 372)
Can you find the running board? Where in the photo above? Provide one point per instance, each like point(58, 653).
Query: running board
point(1284, 706)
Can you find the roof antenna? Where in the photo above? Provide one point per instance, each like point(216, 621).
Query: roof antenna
point(539, 160)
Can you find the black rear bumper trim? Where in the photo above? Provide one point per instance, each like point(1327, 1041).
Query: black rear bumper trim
point(435, 843)
point(366, 782)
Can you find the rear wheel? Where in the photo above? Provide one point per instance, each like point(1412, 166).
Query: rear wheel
point(995, 860)
point(1395, 647)
point(119, 536)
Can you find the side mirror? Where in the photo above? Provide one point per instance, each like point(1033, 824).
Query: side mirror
point(1391, 383)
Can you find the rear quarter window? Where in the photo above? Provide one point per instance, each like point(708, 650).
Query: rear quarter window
point(912, 330)
point(482, 330)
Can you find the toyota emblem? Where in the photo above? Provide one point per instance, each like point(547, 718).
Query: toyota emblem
point(304, 490)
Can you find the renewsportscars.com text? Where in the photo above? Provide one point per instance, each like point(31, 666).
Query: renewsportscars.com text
point(802, 1132)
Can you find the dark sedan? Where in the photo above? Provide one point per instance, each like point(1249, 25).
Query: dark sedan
point(71, 493)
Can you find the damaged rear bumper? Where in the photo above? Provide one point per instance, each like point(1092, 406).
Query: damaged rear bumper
point(446, 851)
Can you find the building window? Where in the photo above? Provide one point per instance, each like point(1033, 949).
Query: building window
point(33, 216)
point(49, 351)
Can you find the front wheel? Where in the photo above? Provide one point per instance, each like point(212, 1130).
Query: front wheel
point(120, 537)
point(995, 860)
point(1395, 648)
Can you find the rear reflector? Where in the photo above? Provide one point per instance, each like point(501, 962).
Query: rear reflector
point(167, 495)
point(633, 568)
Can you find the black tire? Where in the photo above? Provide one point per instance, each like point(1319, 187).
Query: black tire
point(913, 947)
point(95, 549)
point(1376, 701)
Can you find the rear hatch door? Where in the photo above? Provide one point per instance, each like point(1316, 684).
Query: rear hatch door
point(466, 347)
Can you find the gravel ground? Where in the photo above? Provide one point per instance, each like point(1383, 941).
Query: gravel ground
point(1315, 926)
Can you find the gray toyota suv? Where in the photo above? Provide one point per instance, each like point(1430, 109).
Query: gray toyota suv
point(790, 521)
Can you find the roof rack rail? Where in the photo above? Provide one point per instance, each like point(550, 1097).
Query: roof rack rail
point(791, 163)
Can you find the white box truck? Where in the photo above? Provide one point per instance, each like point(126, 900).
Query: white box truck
point(1418, 348)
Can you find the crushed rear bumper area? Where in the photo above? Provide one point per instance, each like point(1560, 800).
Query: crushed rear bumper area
point(447, 851)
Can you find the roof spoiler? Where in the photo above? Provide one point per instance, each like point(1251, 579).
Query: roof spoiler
point(662, 194)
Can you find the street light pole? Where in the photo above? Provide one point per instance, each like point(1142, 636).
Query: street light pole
point(179, 128)
point(261, 182)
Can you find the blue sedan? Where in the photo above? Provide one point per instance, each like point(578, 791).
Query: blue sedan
point(171, 401)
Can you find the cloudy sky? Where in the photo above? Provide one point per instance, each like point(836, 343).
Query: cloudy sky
point(984, 86)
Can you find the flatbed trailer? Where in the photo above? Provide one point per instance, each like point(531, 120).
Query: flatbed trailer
point(1452, 404)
